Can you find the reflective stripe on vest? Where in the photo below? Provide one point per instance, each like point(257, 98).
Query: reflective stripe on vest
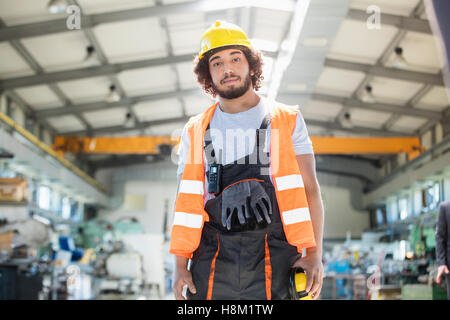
point(289, 188)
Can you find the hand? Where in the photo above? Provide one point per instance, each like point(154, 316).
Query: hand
point(182, 277)
point(312, 264)
point(441, 270)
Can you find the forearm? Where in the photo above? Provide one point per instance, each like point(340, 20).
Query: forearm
point(181, 263)
point(317, 216)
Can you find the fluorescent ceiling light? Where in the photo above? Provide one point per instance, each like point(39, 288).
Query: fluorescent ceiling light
point(129, 121)
point(315, 42)
point(91, 57)
point(113, 95)
point(215, 5)
point(57, 6)
point(264, 45)
point(345, 120)
point(399, 60)
point(288, 46)
point(367, 95)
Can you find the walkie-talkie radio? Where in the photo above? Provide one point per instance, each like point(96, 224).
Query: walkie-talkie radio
point(215, 174)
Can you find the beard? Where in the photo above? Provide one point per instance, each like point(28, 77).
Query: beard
point(234, 92)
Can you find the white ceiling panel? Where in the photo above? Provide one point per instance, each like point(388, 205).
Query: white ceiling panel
point(393, 91)
point(102, 118)
point(39, 97)
point(66, 123)
point(185, 31)
point(170, 129)
point(86, 90)
point(397, 7)
point(269, 24)
point(408, 124)
point(339, 82)
point(186, 76)
point(11, 63)
point(420, 52)
point(15, 12)
point(175, 1)
point(132, 40)
point(355, 42)
point(58, 51)
point(157, 110)
point(186, 40)
point(99, 6)
point(436, 99)
point(320, 110)
point(315, 131)
point(148, 80)
point(178, 21)
point(368, 118)
point(197, 104)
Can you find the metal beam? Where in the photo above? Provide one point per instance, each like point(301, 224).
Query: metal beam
point(401, 22)
point(317, 123)
point(92, 20)
point(349, 102)
point(355, 129)
point(121, 129)
point(382, 107)
point(104, 70)
point(103, 105)
point(381, 71)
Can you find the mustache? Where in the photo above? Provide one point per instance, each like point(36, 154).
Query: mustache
point(228, 77)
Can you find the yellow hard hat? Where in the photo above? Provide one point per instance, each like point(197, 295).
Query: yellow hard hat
point(222, 34)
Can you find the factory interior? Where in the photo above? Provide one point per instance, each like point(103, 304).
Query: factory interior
point(94, 96)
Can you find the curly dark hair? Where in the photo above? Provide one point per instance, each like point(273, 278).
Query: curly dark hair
point(201, 68)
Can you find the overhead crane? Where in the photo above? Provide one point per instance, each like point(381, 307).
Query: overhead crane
point(161, 144)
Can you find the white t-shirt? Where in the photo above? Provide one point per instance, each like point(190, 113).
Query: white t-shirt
point(234, 133)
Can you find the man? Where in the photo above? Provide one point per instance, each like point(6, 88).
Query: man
point(443, 244)
point(244, 216)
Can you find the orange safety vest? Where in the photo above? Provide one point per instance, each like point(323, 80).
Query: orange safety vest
point(190, 214)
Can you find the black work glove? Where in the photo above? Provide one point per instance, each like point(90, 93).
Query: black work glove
point(234, 201)
point(260, 202)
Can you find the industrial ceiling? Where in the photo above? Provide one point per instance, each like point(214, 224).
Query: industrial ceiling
point(135, 57)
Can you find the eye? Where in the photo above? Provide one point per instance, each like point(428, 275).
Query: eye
point(237, 59)
point(216, 64)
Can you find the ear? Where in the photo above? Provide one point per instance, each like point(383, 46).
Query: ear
point(252, 73)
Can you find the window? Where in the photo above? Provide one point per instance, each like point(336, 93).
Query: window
point(431, 196)
point(417, 202)
point(380, 216)
point(66, 208)
point(74, 211)
point(56, 202)
point(392, 210)
point(44, 197)
point(403, 207)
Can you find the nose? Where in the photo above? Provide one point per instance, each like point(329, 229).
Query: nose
point(227, 69)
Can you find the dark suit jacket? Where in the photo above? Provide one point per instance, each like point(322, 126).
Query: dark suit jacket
point(443, 235)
